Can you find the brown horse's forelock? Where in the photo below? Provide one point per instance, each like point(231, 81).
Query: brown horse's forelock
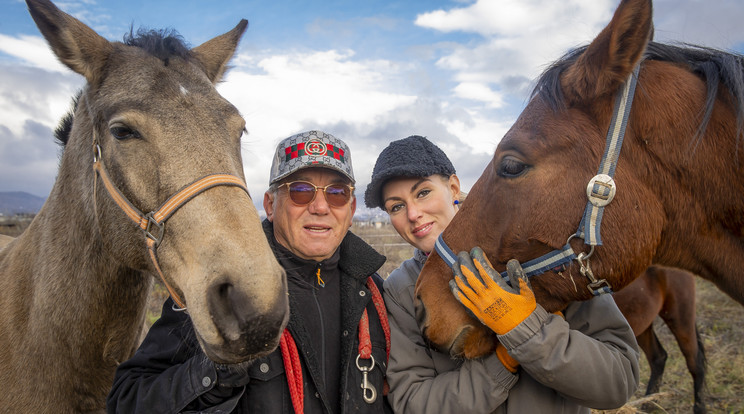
point(715, 67)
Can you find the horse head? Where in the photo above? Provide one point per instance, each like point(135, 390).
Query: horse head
point(148, 123)
point(530, 198)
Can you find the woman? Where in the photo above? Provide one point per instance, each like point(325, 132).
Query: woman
point(588, 359)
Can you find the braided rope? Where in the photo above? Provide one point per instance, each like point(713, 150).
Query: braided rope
point(381, 311)
point(293, 369)
point(291, 357)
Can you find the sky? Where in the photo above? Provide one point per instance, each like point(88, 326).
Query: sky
point(369, 72)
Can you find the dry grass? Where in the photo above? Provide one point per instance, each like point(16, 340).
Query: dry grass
point(720, 320)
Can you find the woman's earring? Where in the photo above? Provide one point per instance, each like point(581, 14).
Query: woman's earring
point(457, 202)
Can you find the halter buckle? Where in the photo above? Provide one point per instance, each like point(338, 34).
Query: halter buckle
point(149, 229)
point(595, 287)
point(601, 190)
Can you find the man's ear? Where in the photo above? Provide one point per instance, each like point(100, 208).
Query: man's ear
point(353, 210)
point(268, 204)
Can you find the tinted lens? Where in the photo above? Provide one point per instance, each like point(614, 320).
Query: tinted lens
point(337, 195)
point(301, 192)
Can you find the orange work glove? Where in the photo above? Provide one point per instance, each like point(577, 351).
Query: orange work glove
point(509, 363)
point(489, 297)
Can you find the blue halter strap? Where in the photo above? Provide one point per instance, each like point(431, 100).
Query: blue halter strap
point(600, 191)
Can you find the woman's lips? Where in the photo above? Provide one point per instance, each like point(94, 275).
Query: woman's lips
point(423, 229)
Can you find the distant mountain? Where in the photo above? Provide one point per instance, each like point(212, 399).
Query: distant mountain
point(18, 202)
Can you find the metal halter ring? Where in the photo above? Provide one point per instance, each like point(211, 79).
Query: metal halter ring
point(581, 256)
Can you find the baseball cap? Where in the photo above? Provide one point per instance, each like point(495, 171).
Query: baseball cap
point(310, 149)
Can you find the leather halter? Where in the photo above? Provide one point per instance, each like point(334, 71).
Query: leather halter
point(152, 224)
point(600, 191)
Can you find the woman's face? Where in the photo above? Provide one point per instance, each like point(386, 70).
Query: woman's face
point(421, 207)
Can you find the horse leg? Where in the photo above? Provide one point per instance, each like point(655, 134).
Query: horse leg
point(656, 356)
point(691, 345)
point(679, 315)
point(698, 375)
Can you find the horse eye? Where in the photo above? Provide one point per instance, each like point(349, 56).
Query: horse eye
point(122, 132)
point(511, 167)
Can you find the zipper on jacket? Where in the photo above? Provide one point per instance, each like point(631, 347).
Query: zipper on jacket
point(322, 327)
point(321, 282)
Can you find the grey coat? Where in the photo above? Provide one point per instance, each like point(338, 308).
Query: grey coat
point(588, 359)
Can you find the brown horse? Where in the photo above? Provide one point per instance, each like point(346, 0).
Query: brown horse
point(670, 294)
point(678, 177)
point(74, 285)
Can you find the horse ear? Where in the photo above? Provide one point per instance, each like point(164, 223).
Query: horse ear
point(75, 44)
point(214, 54)
point(613, 54)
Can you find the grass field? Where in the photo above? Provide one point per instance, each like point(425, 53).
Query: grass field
point(720, 320)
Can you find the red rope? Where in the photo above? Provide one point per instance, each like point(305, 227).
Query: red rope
point(381, 311)
point(293, 369)
point(291, 357)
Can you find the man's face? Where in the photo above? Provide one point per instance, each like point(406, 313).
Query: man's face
point(313, 231)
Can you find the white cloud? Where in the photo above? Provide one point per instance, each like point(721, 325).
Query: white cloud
point(298, 91)
point(519, 37)
point(479, 92)
point(517, 18)
point(465, 104)
point(710, 23)
point(479, 133)
point(32, 50)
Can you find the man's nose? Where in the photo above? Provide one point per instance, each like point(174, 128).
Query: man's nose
point(320, 204)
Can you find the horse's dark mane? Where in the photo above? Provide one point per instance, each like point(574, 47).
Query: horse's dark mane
point(62, 132)
point(714, 66)
point(163, 44)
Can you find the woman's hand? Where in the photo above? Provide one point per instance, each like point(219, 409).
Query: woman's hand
point(497, 305)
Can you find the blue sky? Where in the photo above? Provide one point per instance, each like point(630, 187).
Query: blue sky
point(369, 72)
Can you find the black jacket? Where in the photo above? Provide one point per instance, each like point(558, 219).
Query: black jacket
point(167, 373)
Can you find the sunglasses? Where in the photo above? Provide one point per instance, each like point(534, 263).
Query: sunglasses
point(303, 193)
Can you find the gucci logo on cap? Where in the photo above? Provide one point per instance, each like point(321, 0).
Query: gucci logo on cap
point(314, 147)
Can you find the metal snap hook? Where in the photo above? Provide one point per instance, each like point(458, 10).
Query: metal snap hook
point(369, 393)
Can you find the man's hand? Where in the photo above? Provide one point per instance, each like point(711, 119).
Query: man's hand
point(489, 297)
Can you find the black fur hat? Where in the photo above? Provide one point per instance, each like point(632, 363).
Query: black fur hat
point(414, 156)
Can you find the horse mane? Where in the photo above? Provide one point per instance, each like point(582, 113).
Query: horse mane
point(715, 67)
point(163, 44)
point(62, 132)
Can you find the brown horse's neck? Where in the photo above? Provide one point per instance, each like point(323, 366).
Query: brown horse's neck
point(699, 184)
point(61, 259)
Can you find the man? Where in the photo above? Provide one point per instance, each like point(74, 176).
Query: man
point(324, 363)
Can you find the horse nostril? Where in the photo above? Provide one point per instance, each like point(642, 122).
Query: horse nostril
point(230, 309)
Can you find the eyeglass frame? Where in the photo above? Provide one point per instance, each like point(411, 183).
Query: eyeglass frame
point(315, 192)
